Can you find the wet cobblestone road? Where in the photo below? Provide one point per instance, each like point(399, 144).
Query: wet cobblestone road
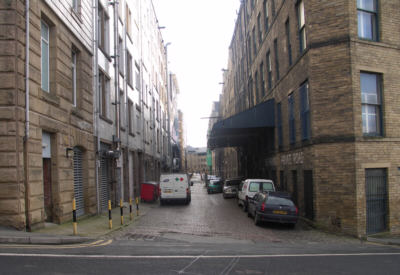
point(213, 216)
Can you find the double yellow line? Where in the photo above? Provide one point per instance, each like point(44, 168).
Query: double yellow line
point(58, 246)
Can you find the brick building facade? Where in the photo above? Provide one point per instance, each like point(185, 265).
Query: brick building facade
point(328, 71)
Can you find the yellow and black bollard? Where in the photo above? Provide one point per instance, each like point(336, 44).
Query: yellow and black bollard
point(130, 209)
point(137, 207)
point(109, 215)
point(121, 207)
point(74, 217)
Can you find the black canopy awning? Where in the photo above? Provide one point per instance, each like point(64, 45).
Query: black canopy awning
point(238, 129)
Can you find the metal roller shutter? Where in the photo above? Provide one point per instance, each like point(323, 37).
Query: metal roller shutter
point(104, 181)
point(78, 182)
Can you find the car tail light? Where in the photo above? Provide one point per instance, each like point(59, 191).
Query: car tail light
point(263, 206)
point(297, 210)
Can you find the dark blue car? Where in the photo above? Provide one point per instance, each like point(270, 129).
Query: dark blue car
point(273, 207)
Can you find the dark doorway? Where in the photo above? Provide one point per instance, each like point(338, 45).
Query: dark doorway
point(295, 188)
point(48, 199)
point(376, 196)
point(308, 194)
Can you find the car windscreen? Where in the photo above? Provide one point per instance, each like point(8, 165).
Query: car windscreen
point(279, 201)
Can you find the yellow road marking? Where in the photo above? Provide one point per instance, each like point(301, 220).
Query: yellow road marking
point(58, 246)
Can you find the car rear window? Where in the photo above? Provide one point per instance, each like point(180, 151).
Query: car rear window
point(279, 201)
point(267, 186)
point(232, 183)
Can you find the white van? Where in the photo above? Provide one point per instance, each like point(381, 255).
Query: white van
point(250, 187)
point(174, 187)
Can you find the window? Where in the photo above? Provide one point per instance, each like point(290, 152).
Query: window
point(103, 30)
point(130, 117)
point(104, 86)
point(367, 19)
point(288, 45)
point(269, 70)
point(45, 57)
point(371, 103)
point(256, 86)
point(73, 77)
point(266, 14)
point(305, 111)
point(302, 26)
point(260, 34)
point(262, 77)
point(129, 79)
point(279, 124)
point(250, 91)
point(121, 56)
point(137, 77)
point(76, 5)
point(128, 21)
point(122, 108)
point(276, 58)
point(249, 48)
point(273, 8)
point(254, 42)
point(292, 130)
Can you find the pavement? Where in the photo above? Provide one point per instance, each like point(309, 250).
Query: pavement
point(89, 228)
point(96, 227)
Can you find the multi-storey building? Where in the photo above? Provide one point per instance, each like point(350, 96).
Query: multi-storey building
point(131, 98)
point(47, 149)
point(311, 101)
point(84, 107)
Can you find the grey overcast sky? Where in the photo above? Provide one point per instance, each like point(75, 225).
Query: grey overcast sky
point(200, 32)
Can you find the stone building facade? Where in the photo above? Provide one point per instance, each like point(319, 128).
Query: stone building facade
point(90, 122)
point(326, 72)
point(47, 137)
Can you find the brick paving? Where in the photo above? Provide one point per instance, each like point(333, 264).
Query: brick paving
point(213, 216)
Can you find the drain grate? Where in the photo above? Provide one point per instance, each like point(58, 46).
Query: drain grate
point(140, 237)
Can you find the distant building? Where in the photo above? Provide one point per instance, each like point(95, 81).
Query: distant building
point(310, 100)
point(196, 160)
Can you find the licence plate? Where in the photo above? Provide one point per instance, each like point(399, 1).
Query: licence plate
point(167, 191)
point(281, 212)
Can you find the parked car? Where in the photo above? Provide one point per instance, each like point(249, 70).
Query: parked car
point(174, 187)
point(273, 207)
point(231, 187)
point(250, 187)
point(215, 186)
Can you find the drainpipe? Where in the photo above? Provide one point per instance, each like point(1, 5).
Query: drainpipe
point(117, 139)
point(96, 100)
point(26, 138)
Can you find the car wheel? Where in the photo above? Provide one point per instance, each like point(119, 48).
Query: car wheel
point(256, 219)
point(245, 206)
